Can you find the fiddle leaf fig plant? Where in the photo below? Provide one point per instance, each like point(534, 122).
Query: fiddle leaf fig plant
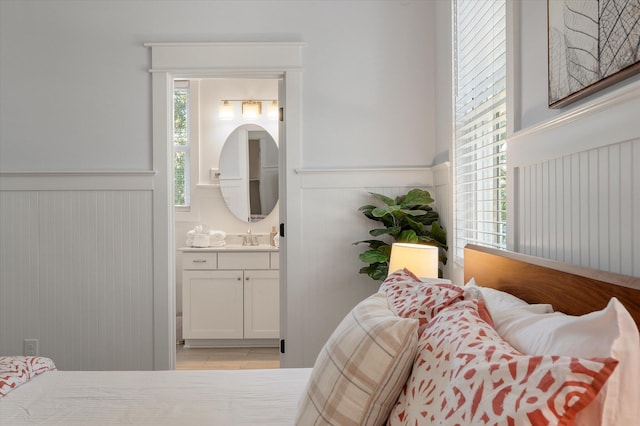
point(407, 218)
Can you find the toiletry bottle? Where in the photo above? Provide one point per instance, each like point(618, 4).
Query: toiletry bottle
point(272, 236)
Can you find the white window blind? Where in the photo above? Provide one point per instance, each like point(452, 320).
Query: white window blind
point(181, 144)
point(480, 123)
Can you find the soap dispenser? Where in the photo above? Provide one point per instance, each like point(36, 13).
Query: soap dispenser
point(272, 236)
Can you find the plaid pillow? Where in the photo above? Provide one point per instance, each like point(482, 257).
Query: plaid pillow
point(361, 369)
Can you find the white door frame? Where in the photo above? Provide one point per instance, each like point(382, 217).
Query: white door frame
point(229, 60)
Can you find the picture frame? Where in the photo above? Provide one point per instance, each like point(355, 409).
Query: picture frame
point(592, 44)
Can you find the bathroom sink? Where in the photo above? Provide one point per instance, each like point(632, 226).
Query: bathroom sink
point(240, 247)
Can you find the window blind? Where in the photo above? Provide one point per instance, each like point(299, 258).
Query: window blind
point(480, 123)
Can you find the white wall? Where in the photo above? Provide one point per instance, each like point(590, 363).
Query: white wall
point(76, 96)
point(79, 70)
point(574, 187)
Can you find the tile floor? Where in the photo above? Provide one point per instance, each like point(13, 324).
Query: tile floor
point(226, 358)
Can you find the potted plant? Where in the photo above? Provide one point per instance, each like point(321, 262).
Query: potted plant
point(408, 218)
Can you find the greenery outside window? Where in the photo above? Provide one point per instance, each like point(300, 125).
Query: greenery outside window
point(181, 144)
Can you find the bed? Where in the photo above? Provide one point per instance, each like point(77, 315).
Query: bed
point(371, 370)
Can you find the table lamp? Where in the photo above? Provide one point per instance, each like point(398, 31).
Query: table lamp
point(420, 259)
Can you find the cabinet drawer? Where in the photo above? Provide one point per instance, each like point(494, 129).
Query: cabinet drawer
point(243, 261)
point(199, 261)
point(275, 260)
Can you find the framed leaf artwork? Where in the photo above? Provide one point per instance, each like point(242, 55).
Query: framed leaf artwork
point(592, 44)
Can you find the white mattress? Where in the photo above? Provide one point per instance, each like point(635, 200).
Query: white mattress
point(221, 397)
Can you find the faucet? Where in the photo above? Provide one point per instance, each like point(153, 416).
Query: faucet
point(249, 239)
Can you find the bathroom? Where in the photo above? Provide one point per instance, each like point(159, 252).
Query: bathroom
point(212, 136)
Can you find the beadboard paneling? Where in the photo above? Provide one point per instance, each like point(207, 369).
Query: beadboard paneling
point(574, 185)
point(583, 208)
point(76, 274)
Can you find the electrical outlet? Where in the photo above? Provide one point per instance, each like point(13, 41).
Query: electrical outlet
point(30, 347)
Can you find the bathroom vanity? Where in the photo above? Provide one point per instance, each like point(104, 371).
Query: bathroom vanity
point(230, 296)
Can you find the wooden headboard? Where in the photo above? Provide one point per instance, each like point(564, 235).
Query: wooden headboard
point(570, 289)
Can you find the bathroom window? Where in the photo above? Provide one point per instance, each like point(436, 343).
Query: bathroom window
point(181, 162)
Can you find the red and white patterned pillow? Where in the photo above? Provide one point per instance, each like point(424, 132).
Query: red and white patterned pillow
point(411, 298)
point(17, 370)
point(465, 373)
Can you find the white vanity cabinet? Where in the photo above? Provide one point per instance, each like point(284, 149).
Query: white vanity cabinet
point(230, 297)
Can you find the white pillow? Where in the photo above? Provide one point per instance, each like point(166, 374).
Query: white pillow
point(610, 332)
point(498, 301)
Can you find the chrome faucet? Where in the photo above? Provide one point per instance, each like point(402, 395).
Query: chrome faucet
point(249, 239)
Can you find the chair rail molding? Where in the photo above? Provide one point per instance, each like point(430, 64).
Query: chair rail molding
point(77, 180)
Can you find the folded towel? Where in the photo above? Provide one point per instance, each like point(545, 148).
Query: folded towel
point(217, 243)
point(201, 240)
point(216, 235)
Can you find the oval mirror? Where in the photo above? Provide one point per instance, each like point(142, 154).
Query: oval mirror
point(248, 172)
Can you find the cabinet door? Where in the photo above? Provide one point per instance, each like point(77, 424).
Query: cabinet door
point(261, 305)
point(212, 304)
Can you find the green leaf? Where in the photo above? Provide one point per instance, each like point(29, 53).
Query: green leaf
point(428, 218)
point(407, 236)
point(380, 272)
point(367, 208)
point(438, 233)
point(428, 240)
point(414, 212)
point(394, 230)
point(381, 211)
point(417, 197)
point(377, 271)
point(388, 201)
point(386, 250)
point(373, 244)
point(416, 226)
point(373, 256)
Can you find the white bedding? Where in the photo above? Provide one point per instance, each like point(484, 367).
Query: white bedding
point(221, 397)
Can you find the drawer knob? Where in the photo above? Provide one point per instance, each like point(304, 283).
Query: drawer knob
point(199, 261)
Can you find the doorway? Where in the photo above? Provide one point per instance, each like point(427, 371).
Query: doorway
point(170, 61)
point(208, 179)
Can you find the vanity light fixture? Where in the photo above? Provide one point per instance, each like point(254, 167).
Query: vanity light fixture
point(272, 110)
point(225, 111)
point(251, 109)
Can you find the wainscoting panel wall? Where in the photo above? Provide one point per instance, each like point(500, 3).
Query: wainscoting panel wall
point(76, 270)
point(578, 208)
point(332, 223)
point(576, 186)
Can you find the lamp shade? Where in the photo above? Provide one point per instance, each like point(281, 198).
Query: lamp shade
point(225, 111)
point(273, 112)
point(251, 110)
point(420, 259)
